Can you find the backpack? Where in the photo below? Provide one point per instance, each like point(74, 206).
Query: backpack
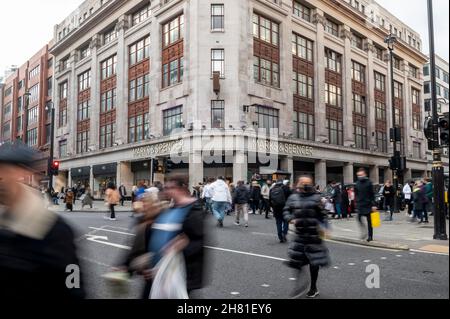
point(277, 196)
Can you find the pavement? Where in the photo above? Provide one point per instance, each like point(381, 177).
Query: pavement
point(97, 207)
point(247, 263)
point(401, 233)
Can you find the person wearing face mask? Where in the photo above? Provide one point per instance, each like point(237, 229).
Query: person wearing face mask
point(365, 202)
point(305, 210)
point(37, 246)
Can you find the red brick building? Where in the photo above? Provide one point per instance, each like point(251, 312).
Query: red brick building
point(25, 94)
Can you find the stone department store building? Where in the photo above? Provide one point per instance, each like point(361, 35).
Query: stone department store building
point(129, 72)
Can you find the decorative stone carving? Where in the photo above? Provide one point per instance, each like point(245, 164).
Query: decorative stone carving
point(95, 42)
point(346, 34)
point(122, 25)
point(319, 19)
point(369, 47)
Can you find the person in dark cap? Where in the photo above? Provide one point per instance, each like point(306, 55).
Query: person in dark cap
point(37, 251)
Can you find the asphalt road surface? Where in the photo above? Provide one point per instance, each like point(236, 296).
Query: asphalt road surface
point(247, 263)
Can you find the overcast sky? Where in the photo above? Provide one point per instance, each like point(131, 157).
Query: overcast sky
point(37, 19)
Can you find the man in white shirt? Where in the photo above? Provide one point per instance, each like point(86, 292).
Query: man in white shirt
point(407, 192)
point(221, 199)
point(206, 195)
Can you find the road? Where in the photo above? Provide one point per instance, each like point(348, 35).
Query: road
point(247, 264)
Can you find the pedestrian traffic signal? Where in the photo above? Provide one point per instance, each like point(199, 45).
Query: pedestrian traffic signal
point(54, 168)
point(443, 130)
point(428, 131)
point(155, 164)
point(168, 166)
point(397, 163)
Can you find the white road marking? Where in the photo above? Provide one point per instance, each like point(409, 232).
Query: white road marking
point(351, 264)
point(245, 253)
point(90, 233)
point(428, 252)
point(336, 267)
point(234, 293)
point(383, 258)
point(265, 286)
point(292, 279)
point(398, 256)
point(367, 261)
point(116, 227)
point(263, 234)
point(95, 239)
point(412, 253)
point(95, 262)
point(112, 231)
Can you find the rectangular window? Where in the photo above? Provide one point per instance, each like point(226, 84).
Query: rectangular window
point(266, 72)
point(108, 67)
point(380, 82)
point(7, 110)
point(138, 128)
point(360, 137)
point(380, 111)
point(218, 61)
point(268, 119)
point(302, 47)
point(108, 101)
point(217, 17)
point(302, 11)
point(63, 64)
point(139, 51)
point(415, 96)
point(333, 61)
point(397, 63)
point(63, 89)
point(358, 72)
point(62, 149)
point(62, 116)
point(173, 72)
point(304, 126)
point(84, 81)
point(218, 114)
point(173, 31)
point(85, 52)
point(357, 41)
point(141, 15)
point(50, 87)
point(379, 53)
point(33, 115)
point(20, 104)
point(335, 132)
point(265, 29)
point(19, 122)
point(82, 142)
point(34, 72)
point(417, 150)
point(398, 90)
point(359, 104)
point(32, 137)
point(172, 119)
point(382, 142)
point(427, 88)
point(332, 28)
point(333, 95)
point(139, 88)
point(110, 35)
point(413, 71)
point(83, 111)
point(8, 91)
point(34, 93)
point(107, 135)
point(303, 85)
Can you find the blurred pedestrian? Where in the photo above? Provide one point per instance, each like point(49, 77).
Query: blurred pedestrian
point(429, 193)
point(351, 198)
point(69, 200)
point(206, 195)
point(365, 202)
point(407, 193)
point(255, 198)
point(420, 202)
point(278, 197)
point(123, 194)
point(336, 199)
point(112, 199)
point(37, 246)
point(265, 194)
point(304, 209)
point(221, 199)
point(345, 202)
point(389, 195)
point(180, 229)
point(88, 200)
point(242, 198)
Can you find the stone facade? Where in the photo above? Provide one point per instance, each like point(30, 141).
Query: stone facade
point(238, 88)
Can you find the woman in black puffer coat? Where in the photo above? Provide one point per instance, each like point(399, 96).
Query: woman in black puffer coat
point(304, 209)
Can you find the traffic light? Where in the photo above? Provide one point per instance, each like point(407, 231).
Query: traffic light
point(397, 162)
point(155, 164)
point(168, 166)
point(54, 168)
point(396, 134)
point(428, 131)
point(443, 130)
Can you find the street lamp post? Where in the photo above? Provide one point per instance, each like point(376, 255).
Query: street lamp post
point(51, 106)
point(440, 230)
point(390, 41)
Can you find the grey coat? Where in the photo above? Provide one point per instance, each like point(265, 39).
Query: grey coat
point(310, 215)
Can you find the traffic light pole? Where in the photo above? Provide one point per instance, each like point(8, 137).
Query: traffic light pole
point(440, 228)
point(52, 137)
point(394, 125)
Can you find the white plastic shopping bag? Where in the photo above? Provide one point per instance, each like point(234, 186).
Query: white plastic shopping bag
point(170, 280)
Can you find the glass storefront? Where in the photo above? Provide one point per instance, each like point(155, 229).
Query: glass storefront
point(103, 175)
point(142, 172)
